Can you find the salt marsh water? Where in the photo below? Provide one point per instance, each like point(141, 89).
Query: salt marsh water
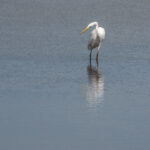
point(52, 97)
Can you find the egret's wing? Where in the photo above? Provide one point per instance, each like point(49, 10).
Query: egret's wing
point(101, 33)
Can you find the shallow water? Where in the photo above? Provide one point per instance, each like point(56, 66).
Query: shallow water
point(52, 97)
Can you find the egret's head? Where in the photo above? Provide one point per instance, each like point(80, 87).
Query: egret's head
point(89, 26)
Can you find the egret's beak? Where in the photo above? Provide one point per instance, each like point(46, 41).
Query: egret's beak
point(84, 30)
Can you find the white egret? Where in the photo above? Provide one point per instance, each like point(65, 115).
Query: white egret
point(96, 37)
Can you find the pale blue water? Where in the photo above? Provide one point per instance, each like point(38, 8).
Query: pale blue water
point(51, 98)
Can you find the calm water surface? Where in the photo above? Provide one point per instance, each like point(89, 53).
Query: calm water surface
point(52, 97)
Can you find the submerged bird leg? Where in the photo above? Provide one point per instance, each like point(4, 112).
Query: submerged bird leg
point(98, 52)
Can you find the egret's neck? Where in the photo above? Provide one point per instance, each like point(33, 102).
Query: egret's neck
point(96, 24)
point(93, 24)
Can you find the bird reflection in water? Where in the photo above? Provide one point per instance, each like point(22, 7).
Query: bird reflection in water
point(95, 87)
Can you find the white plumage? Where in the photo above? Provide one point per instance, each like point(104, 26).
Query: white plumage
point(96, 37)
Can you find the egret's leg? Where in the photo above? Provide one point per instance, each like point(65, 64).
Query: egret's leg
point(90, 54)
point(98, 52)
point(97, 60)
point(90, 61)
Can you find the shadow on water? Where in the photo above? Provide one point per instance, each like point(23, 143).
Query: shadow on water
point(95, 87)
